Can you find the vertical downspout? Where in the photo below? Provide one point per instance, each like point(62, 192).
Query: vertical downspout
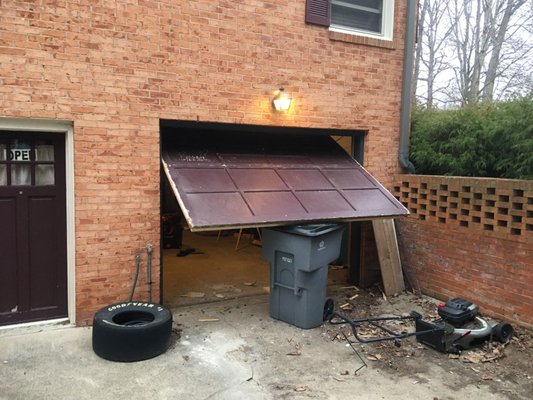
point(407, 87)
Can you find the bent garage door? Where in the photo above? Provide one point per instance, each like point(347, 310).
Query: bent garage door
point(257, 180)
point(33, 255)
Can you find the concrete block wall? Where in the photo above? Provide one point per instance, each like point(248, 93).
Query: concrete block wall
point(471, 238)
point(116, 68)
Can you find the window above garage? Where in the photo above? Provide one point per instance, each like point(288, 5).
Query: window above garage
point(370, 18)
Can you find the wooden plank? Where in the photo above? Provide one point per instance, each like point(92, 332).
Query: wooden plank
point(389, 256)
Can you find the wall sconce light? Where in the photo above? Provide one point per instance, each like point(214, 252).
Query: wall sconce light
point(282, 100)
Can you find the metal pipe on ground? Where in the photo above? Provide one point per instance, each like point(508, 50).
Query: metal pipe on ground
point(149, 250)
point(137, 268)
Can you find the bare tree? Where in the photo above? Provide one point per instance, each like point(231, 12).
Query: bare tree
point(504, 36)
point(422, 11)
point(469, 40)
point(430, 54)
point(472, 50)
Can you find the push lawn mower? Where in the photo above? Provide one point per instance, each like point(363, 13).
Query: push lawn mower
point(460, 327)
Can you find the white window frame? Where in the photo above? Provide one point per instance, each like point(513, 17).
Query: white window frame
point(387, 24)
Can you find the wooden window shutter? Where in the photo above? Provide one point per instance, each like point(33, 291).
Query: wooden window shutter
point(318, 12)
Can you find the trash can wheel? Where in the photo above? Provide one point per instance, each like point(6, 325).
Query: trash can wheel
point(329, 307)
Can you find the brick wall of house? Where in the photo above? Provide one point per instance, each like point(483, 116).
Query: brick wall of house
point(472, 238)
point(115, 68)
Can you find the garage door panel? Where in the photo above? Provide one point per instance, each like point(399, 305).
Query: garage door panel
point(202, 180)
point(290, 160)
point(325, 202)
point(268, 205)
point(244, 160)
point(349, 178)
point(257, 179)
point(305, 179)
point(370, 199)
point(198, 156)
point(215, 208)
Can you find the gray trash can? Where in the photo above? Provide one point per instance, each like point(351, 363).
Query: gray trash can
point(299, 258)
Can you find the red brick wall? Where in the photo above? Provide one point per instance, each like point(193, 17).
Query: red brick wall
point(471, 238)
point(116, 67)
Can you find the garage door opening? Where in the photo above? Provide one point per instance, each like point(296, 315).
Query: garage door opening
point(214, 266)
point(222, 183)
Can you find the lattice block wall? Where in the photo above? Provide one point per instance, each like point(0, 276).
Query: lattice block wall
point(501, 206)
point(470, 238)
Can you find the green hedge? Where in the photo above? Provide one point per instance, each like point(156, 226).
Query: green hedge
point(490, 140)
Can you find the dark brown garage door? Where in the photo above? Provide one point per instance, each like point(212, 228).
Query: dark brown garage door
point(33, 230)
point(252, 179)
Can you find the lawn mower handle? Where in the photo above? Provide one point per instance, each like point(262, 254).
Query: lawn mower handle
point(337, 318)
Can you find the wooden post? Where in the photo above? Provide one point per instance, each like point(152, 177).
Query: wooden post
point(389, 256)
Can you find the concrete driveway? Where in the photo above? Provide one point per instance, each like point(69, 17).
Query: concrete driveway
point(243, 355)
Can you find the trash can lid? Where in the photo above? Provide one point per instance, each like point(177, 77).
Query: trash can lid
point(310, 230)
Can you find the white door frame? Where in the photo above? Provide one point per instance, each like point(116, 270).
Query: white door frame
point(66, 128)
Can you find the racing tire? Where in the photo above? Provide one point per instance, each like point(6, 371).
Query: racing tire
point(131, 331)
point(502, 332)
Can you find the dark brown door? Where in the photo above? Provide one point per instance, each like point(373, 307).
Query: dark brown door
point(33, 249)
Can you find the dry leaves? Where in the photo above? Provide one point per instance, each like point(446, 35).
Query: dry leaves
point(374, 357)
point(349, 287)
point(194, 294)
point(296, 351)
point(480, 356)
point(300, 388)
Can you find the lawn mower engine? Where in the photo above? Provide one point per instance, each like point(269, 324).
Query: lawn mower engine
point(460, 327)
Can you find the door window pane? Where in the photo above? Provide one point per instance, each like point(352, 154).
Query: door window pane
point(44, 174)
point(44, 152)
point(19, 151)
point(3, 175)
point(2, 152)
point(20, 174)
